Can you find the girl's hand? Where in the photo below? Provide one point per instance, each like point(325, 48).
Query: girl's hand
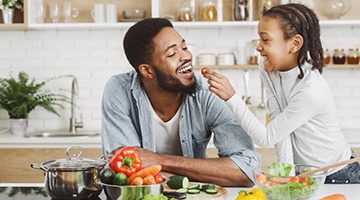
point(219, 84)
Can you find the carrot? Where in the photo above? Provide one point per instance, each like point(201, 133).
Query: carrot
point(334, 197)
point(149, 180)
point(137, 181)
point(151, 170)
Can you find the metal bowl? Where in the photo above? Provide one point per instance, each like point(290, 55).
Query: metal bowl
point(118, 192)
point(134, 14)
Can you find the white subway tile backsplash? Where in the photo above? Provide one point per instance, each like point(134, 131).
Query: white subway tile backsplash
point(93, 56)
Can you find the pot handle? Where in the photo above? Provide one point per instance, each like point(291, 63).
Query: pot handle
point(42, 167)
point(74, 156)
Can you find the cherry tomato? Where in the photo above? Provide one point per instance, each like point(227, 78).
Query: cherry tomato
point(159, 178)
point(204, 69)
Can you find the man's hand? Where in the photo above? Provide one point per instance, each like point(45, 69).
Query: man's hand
point(219, 84)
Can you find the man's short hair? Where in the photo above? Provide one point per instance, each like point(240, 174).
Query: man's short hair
point(138, 41)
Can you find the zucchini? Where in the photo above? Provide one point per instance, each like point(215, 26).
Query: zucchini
point(194, 191)
point(194, 186)
point(182, 190)
point(177, 182)
point(207, 186)
point(211, 191)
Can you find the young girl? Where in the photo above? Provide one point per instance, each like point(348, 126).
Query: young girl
point(303, 126)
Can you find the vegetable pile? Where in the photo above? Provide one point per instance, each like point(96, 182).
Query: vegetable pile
point(125, 168)
point(296, 188)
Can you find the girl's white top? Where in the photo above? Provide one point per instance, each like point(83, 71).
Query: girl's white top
point(304, 126)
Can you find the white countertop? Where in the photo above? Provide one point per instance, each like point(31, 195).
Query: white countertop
point(351, 191)
point(8, 140)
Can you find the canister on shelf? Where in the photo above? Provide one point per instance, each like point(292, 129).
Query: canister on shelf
point(353, 56)
point(186, 12)
point(206, 59)
point(339, 57)
point(225, 59)
point(253, 54)
point(327, 56)
point(208, 11)
point(240, 11)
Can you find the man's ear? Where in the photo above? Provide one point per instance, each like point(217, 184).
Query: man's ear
point(146, 71)
point(297, 43)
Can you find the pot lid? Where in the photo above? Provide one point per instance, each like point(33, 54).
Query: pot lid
point(73, 162)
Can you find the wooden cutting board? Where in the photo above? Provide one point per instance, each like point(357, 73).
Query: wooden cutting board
point(222, 193)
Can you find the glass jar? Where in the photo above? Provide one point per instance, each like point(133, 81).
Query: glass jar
point(240, 11)
point(186, 12)
point(353, 56)
point(253, 56)
point(339, 57)
point(327, 56)
point(208, 11)
point(267, 4)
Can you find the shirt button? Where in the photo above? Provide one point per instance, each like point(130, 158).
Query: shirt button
point(183, 141)
point(333, 181)
point(347, 181)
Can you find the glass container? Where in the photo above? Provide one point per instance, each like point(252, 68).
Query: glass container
point(327, 56)
point(339, 57)
point(253, 56)
point(186, 12)
point(333, 9)
point(267, 4)
point(353, 56)
point(208, 11)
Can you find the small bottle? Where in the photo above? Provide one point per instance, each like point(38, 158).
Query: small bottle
point(208, 11)
point(339, 57)
point(253, 57)
point(353, 56)
point(327, 56)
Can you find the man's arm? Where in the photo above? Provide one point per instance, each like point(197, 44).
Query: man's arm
point(220, 171)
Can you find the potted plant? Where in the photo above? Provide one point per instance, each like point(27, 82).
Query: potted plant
point(20, 96)
point(8, 9)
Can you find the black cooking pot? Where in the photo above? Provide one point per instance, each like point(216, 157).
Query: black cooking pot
point(72, 178)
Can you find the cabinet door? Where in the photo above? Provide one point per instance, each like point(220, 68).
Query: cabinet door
point(15, 162)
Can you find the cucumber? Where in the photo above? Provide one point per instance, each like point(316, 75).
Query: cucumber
point(182, 190)
point(177, 182)
point(194, 186)
point(211, 191)
point(207, 186)
point(193, 191)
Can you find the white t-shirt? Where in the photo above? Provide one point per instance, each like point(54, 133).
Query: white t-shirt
point(167, 140)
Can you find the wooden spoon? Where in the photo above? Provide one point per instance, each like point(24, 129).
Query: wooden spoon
point(288, 178)
point(357, 159)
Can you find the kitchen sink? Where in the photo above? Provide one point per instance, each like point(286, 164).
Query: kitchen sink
point(80, 133)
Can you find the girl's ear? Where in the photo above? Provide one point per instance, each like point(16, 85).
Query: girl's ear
point(297, 43)
point(146, 71)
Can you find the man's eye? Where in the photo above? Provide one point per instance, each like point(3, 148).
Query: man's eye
point(171, 55)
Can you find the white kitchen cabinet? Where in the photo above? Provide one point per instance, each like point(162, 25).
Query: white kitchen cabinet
point(153, 8)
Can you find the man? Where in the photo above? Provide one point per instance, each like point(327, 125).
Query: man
point(162, 110)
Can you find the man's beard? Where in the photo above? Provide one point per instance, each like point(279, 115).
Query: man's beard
point(172, 84)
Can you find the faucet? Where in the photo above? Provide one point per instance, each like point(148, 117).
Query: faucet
point(74, 124)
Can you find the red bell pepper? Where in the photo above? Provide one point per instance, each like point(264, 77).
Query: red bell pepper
point(127, 160)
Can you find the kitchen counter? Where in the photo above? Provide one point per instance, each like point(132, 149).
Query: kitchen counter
point(8, 140)
point(350, 191)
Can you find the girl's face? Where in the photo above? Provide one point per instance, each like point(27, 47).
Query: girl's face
point(276, 51)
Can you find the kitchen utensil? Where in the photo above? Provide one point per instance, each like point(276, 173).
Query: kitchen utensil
point(98, 13)
point(54, 12)
point(345, 162)
point(134, 14)
point(333, 9)
point(72, 178)
point(121, 192)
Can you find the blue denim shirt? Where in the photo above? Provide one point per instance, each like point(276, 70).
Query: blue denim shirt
point(126, 120)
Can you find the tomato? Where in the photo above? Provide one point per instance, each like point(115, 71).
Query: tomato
point(159, 178)
point(204, 69)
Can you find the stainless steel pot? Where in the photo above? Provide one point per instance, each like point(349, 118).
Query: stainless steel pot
point(72, 178)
